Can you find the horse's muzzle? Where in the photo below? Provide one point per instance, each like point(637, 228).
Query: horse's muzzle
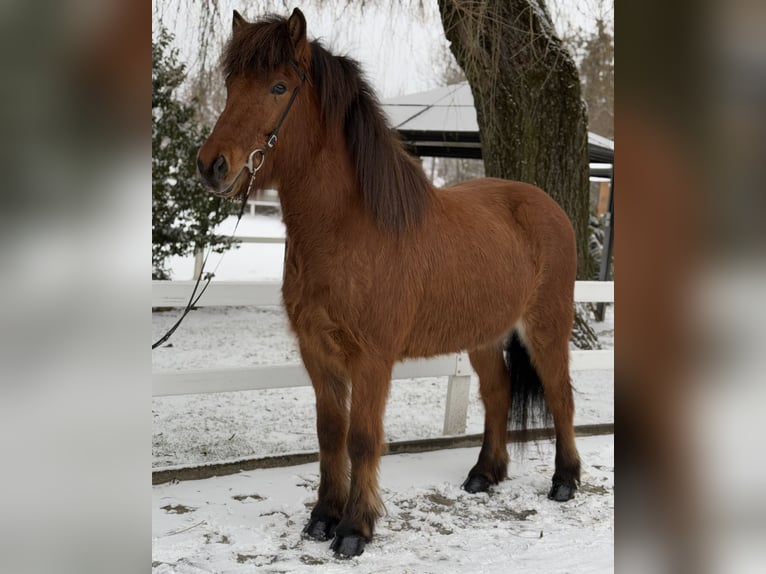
point(213, 173)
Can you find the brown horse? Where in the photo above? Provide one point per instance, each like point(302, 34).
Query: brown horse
point(381, 266)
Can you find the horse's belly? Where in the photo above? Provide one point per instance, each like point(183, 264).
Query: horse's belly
point(461, 320)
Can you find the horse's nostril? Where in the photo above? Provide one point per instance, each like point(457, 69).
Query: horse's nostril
point(220, 168)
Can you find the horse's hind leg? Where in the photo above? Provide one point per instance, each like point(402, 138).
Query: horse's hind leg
point(492, 466)
point(547, 342)
point(332, 393)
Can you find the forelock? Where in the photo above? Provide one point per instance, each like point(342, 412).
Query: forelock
point(259, 47)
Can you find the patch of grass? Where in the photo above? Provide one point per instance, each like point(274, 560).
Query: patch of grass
point(312, 560)
point(177, 509)
point(243, 497)
point(440, 499)
point(217, 538)
point(442, 529)
point(257, 559)
point(595, 489)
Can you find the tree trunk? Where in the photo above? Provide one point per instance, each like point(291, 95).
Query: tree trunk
point(526, 90)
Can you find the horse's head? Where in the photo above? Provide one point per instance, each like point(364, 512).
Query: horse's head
point(264, 64)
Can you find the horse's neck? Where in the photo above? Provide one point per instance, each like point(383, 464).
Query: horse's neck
point(316, 198)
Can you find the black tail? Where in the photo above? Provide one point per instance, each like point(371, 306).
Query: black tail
point(528, 407)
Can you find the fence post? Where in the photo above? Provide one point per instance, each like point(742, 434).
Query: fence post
point(456, 409)
point(198, 257)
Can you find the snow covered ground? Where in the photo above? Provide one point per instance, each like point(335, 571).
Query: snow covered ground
point(251, 522)
point(245, 262)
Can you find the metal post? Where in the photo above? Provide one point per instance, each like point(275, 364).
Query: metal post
point(606, 255)
point(456, 409)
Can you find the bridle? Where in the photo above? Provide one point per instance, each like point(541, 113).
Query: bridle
point(260, 154)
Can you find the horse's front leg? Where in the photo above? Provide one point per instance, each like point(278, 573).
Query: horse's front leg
point(370, 384)
point(332, 393)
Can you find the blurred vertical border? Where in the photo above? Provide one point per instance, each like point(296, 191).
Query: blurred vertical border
point(75, 388)
point(690, 278)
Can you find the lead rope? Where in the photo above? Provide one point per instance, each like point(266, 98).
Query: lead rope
point(194, 298)
point(253, 169)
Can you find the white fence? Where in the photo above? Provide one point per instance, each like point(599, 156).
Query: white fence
point(456, 367)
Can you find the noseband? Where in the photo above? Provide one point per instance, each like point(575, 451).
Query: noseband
point(259, 154)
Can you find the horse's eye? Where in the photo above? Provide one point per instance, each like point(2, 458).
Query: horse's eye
point(278, 89)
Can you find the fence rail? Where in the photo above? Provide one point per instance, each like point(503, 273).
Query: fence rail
point(222, 380)
point(260, 293)
point(256, 293)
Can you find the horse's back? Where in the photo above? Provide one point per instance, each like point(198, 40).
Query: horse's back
point(496, 193)
point(531, 214)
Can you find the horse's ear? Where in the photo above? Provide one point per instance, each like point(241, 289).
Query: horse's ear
point(237, 21)
point(297, 26)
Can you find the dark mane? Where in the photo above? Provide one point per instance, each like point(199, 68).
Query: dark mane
point(393, 186)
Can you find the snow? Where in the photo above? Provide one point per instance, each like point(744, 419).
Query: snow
point(247, 261)
point(252, 521)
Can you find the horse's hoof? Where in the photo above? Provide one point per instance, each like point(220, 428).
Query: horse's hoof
point(561, 491)
point(320, 528)
point(348, 546)
point(476, 483)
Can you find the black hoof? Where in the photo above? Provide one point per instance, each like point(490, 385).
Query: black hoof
point(320, 528)
point(348, 546)
point(476, 483)
point(562, 491)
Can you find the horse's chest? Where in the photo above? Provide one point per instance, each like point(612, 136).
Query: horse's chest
point(306, 299)
point(318, 311)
